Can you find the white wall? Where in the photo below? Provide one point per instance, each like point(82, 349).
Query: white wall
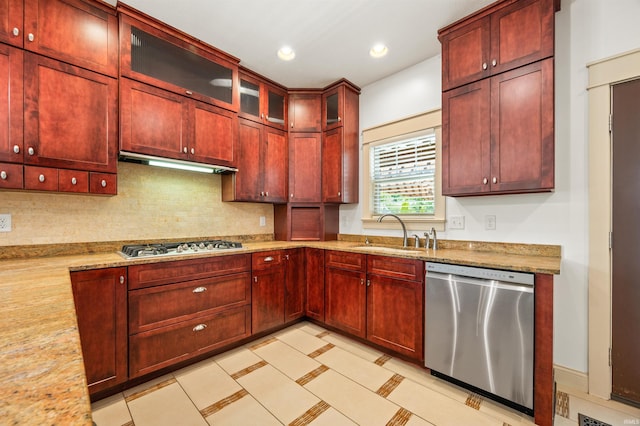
point(586, 30)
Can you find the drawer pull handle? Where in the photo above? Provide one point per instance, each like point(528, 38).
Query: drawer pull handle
point(3, 175)
point(199, 327)
point(268, 259)
point(199, 290)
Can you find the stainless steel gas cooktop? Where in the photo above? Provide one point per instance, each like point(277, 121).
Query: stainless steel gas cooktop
point(184, 247)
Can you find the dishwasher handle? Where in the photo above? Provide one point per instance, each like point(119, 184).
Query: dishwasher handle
point(481, 282)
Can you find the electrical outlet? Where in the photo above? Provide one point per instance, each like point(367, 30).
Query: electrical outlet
point(263, 221)
point(5, 223)
point(456, 222)
point(490, 222)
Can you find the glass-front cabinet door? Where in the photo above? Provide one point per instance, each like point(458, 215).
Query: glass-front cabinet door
point(332, 108)
point(262, 102)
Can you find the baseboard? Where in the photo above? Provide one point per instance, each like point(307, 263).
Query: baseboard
point(569, 378)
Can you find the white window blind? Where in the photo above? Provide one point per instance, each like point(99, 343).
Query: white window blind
point(403, 176)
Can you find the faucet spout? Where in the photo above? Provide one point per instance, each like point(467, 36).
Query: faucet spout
point(404, 228)
point(435, 238)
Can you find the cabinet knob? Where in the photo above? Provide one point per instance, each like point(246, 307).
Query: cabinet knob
point(16, 31)
point(339, 193)
point(286, 256)
point(74, 181)
point(368, 283)
point(494, 180)
point(361, 281)
point(199, 290)
point(184, 149)
point(339, 119)
point(268, 259)
point(292, 124)
point(255, 279)
point(121, 279)
point(103, 183)
point(484, 65)
point(31, 151)
point(266, 194)
point(3, 175)
point(494, 62)
point(485, 181)
point(199, 327)
point(193, 151)
point(291, 195)
point(262, 193)
point(189, 92)
point(41, 178)
point(31, 37)
point(16, 149)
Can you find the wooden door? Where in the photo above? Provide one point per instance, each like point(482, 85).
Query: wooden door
point(11, 104)
point(465, 54)
point(314, 259)
point(295, 288)
point(522, 130)
point(214, 135)
point(152, 121)
point(275, 165)
point(101, 306)
point(11, 27)
point(70, 116)
point(305, 112)
point(465, 139)
point(625, 344)
point(75, 31)
point(332, 153)
point(248, 178)
point(304, 167)
point(267, 298)
point(345, 300)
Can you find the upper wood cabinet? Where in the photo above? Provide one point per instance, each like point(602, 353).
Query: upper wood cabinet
point(497, 39)
point(156, 54)
point(305, 111)
point(305, 167)
point(262, 101)
point(83, 33)
point(11, 104)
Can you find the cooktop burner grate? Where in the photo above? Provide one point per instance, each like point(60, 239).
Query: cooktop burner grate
point(185, 247)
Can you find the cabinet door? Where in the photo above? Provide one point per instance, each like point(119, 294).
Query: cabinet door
point(11, 104)
point(11, 28)
point(295, 288)
point(70, 116)
point(75, 31)
point(101, 306)
point(152, 121)
point(11, 176)
point(314, 259)
point(333, 108)
point(521, 33)
point(465, 54)
point(267, 298)
point(275, 165)
point(395, 316)
point(522, 133)
point(345, 300)
point(214, 135)
point(465, 139)
point(275, 109)
point(304, 167)
point(248, 178)
point(332, 170)
point(305, 112)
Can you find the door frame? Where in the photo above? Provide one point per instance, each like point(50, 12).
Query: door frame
point(602, 75)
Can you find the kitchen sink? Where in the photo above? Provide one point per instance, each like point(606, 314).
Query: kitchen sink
point(391, 250)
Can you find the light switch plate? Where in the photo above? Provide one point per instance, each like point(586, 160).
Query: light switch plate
point(490, 222)
point(263, 221)
point(5, 223)
point(456, 222)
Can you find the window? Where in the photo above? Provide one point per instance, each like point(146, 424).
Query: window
point(401, 172)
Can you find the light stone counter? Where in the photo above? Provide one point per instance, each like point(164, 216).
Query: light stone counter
point(41, 368)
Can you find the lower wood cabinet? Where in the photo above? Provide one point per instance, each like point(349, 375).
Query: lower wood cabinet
point(101, 307)
point(295, 288)
point(345, 291)
point(314, 271)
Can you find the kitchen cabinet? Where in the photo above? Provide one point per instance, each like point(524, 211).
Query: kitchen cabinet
point(497, 39)
point(100, 298)
point(306, 221)
point(305, 180)
point(79, 32)
point(160, 123)
point(11, 104)
point(295, 284)
point(345, 291)
point(340, 143)
point(268, 290)
point(498, 133)
point(262, 102)
point(314, 270)
point(182, 309)
point(11, 176)
point(154, 53)
point(262, 175)
point(305, 111)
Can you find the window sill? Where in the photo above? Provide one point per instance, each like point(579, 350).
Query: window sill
point(412, 223)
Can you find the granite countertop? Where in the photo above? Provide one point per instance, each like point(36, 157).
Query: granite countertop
point(41, 366)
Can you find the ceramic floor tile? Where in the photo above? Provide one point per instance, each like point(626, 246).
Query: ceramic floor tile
point(148, 386)
point(282, 396)
point(562, 421)
point(449, 389)
point(332, 417)
point(111, 411)
point(236, 359)
point(359, 404)
point(288, 360)
point(168, 406)
point(300, 340)
point(410, 371)
point(206, 383)
point(509, 415)
point(245, 411)
point(362, 371)
point(311, 328)
point(437, 408)
point(418, 421)
point(354, 347)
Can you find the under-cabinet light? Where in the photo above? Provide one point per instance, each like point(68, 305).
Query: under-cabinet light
point(180, 166)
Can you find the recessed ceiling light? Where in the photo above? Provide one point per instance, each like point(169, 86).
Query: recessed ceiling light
point(286, 53)
point(378, 50)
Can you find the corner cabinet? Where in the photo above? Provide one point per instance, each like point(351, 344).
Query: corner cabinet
point(498, 100)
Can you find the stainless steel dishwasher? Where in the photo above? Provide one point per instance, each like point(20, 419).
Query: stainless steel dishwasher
point(479, 326)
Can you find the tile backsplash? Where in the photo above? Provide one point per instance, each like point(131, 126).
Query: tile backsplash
point(151, 203)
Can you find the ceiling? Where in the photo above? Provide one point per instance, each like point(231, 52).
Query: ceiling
point(331, 38)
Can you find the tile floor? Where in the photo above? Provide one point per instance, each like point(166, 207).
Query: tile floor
point(298, 376)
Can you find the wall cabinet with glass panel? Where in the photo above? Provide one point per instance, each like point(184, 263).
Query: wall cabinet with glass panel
point(262, 101)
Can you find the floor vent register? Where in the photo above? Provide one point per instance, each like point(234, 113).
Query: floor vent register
point(588, 421)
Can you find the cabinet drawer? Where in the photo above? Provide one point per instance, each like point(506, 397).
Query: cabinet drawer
point(73, 181)
point(103, 183)
point(159, 306)
point(40, 178)
point(395, 267)
point(165, 346)
point(345, 260)
point(11, 176)
point(266, 259)
point(152, 274)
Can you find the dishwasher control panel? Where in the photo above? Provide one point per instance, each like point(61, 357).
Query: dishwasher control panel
point(483, 273)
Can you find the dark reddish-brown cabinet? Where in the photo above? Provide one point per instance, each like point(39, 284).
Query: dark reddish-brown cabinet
point(345, 291)
point(314, 270)
point(11, 114)
point(101, 307)
point(262, 101)
point(305, 180)
point(497, 100)
point(295, 284)
point(267, 290)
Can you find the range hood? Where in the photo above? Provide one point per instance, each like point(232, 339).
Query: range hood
point(134, 157)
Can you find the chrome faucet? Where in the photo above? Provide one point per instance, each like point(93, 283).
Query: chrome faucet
point(417, 245)
point(404, 228)
point(428, 236)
